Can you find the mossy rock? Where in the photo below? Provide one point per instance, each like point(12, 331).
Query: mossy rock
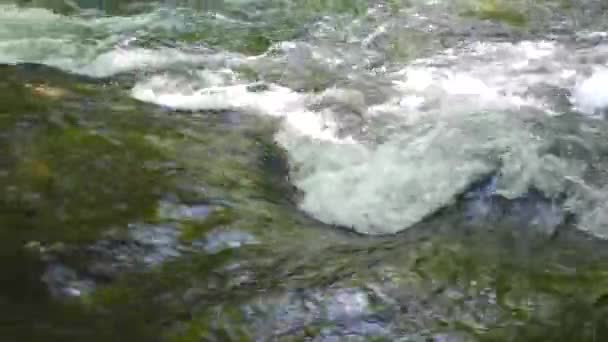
point(192, 230)
point(69, 176)
point(497, 10)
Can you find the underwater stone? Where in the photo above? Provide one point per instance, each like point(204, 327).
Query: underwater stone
point(145, 246)
point(219, 240)
point(63, 282)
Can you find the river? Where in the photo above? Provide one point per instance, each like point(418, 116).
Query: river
point(315, 170)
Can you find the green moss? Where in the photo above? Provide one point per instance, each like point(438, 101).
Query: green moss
point(69, 173)
point(508, 16)
point(256, 42)
point(262, 23)
point(498, 10)
point(83, 182)
point(539, 300)
point(536, 302)
point(16, 99)
point(220, 217)
point(202, 329)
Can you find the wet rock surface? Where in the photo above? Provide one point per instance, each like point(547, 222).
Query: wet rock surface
point(322, 315)
point(533, 211)
point(145, 247)
point(64, 282)
point(219, 240)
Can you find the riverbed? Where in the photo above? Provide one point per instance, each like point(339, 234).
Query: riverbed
point(277, 170)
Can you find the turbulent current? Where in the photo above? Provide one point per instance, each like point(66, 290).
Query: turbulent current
point(303, 170)
point(388, 114)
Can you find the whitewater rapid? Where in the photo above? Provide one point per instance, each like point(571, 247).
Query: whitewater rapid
point(375, 145)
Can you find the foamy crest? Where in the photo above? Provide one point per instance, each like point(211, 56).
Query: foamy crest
point(200, 94)
point(97, 47)
point(495, 76)
point(121, 60)
point(591, 95)
point(386, 188)
point(450, 127)
point(461, 115)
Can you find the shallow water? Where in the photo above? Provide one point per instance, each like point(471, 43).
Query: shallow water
point(303, 170)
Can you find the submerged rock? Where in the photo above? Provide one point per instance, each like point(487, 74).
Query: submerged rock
point(143, 247)
point(184, 212)
point(63, 282)
point(532, 211)
point(315, 314)
point(219, 240)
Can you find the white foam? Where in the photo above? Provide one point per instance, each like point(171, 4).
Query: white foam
point(591, 95)
point(494, 76)
point(383, 189)
point(97, 47)
point(449, 126)
point(124, 60)
point(457, 124)
point(276, 101)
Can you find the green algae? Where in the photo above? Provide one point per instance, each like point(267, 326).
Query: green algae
point(406, 45)
point(251, 41)
point(109, 165)
point(65, 181)
point(258, 25)
point(536, 297)
point(85, 194)
point(497, 10)
point(193, 230)
point(71, 169)
point(531, 299)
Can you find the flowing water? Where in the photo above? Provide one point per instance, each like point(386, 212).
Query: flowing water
point(314, 170)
